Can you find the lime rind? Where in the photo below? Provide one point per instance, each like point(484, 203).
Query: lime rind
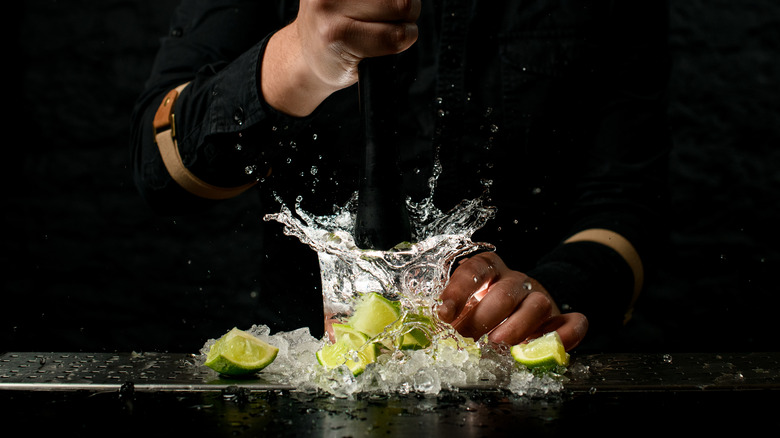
point(238, 353)
point(542, 354)
point(416, 331)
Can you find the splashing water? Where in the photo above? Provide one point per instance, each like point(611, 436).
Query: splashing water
point(413, 274)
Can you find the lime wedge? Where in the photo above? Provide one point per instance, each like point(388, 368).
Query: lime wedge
point(352, 348)
point(417, 332)
point(373, 313)
point(543, 353)
point(239, 353)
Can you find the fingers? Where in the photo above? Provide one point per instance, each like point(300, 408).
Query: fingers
point(484, 296)
point(371, 10)
point(572, 328)
point(520, 321)
point(360, 39)
point(472, 278)
point(358, 29)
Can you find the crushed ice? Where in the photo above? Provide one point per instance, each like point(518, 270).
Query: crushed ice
point(430, 371)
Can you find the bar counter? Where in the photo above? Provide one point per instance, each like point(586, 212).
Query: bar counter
point(161, 394)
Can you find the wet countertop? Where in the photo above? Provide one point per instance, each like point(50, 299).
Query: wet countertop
point(126, 394)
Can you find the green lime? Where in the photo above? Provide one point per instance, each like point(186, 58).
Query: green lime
point(239, 353)
point(351, 348)
point(403, 246)
point(417, 331)
point(373, 313)
point(543, 353)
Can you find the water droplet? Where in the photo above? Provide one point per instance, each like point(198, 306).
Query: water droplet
point(250, 169)
point(314, 137)
point(667, 358)
point(314, 170)
point(238, 116)
point(494, 128)
point(238, 147)
point(527, 285)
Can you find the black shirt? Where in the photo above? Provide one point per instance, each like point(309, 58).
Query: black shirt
point(556, 107)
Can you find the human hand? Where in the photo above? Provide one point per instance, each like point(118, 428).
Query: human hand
point(485, 296)
point(319, 52)
point(336, 34)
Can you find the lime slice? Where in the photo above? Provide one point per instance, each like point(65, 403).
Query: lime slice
point(418, 331)
point(239, 353)
point(352, 348)
point(543, 353)
point(373, 313)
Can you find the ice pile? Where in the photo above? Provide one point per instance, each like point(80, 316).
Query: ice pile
point(446, 365)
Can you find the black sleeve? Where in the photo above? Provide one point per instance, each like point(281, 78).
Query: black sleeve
point(624, 188)
point(224, 128)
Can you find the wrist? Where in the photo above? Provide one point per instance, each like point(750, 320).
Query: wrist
point(287, 82)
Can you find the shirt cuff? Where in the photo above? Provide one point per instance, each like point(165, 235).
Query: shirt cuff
point(589, 278)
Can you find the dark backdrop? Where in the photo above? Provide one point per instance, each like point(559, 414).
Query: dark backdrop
point(87, 267)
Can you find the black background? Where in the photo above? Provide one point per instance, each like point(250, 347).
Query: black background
point(87, 267)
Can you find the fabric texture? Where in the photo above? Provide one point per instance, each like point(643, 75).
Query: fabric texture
point(554, 110)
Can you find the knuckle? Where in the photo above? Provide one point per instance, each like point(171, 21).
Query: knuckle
point(505, 299)
point(477, 267)
point(407, 8)
point(541, 302)
point(398, 37)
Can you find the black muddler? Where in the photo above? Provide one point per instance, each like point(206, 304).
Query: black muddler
point(382, 220)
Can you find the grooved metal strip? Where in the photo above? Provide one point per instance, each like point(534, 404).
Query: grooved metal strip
point(109, 371)
point(181, 372)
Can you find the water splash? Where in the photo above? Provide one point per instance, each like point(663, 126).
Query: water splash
point(413, 273)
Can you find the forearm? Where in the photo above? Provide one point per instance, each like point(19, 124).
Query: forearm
point(224, 135)
point(288, 83)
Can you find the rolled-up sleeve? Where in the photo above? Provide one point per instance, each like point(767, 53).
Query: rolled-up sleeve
point(223, 126)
